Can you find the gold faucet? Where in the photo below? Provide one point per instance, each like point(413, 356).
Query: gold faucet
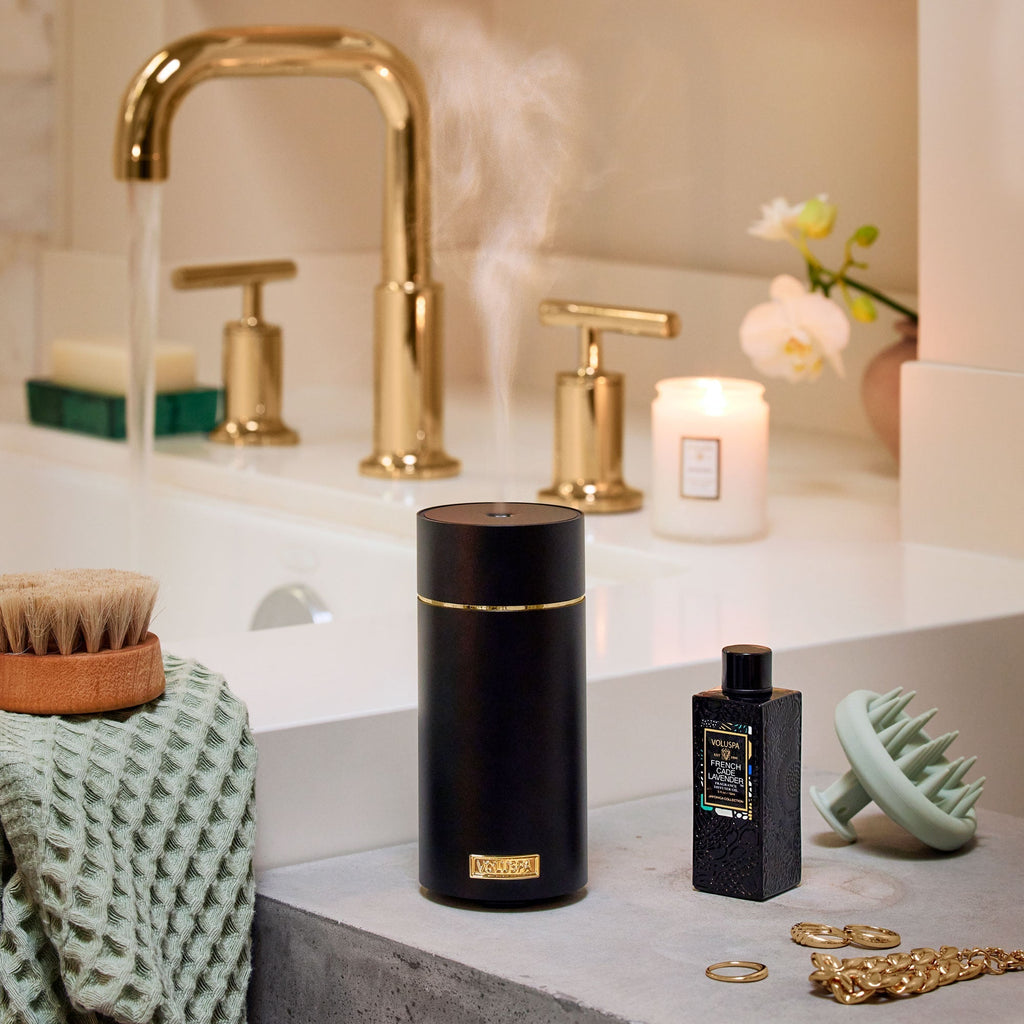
point(408, 421)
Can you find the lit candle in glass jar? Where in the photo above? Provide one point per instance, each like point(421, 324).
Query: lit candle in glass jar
point(710, 462)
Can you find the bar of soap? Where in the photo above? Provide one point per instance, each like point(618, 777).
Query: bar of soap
point(101, 364)
point(92, 412)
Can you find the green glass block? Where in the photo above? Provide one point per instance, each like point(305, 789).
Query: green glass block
point(196, 410)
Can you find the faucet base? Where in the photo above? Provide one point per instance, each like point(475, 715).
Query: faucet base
point(253, 432)
point(588, 497)
point(407, 431)
point(410, 465)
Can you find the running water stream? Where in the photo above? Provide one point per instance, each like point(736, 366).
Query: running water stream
point(144, 200)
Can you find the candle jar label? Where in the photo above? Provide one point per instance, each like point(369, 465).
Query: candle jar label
point(699, 464)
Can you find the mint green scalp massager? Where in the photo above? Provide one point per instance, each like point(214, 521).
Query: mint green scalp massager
point(896, 764)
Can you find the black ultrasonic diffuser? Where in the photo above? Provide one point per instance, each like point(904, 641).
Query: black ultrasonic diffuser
point(502, 701)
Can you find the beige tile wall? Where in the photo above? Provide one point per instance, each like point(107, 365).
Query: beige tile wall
point(26, 162)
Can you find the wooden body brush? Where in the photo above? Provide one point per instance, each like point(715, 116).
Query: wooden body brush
point(76, 641)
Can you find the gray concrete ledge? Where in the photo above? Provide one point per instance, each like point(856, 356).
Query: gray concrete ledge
point(354, 939)
point(310, 970)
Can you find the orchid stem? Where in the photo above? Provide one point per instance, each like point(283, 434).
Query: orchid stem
point(884, 299)
point(822, 278)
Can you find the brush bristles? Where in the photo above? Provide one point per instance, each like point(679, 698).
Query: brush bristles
point(71, 610)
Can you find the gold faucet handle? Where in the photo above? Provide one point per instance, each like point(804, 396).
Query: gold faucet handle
point(589, 407)
point(592, 320)
point(252, 359)
point(249, 276)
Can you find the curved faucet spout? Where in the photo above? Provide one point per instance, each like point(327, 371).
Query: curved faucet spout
point(407, 349)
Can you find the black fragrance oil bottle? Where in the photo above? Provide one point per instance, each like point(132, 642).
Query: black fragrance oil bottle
point(502, 702)
point(746, 780)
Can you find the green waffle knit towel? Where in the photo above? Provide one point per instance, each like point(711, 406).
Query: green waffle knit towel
point(126, 844)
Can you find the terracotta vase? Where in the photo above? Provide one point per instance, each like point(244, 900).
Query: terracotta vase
point(880, 386)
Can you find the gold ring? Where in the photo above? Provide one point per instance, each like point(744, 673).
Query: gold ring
point(820, 936)
point(758, 971)
point(867, 936)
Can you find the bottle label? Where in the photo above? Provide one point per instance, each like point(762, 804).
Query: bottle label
point(727, 770)
point(526, 865)
point(699, 463)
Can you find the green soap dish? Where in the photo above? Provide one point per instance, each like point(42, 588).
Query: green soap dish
point(91, 412)
point(896, 764)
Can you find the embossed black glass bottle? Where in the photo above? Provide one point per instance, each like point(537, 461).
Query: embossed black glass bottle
point(746, 780)
point(502, 701)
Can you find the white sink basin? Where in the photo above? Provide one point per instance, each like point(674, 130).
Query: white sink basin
point(832, 589)
point(215, 560)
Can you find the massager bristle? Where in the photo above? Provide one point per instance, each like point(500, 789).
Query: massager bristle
point(895, 763)
point(70, 610)
point(899, 734)
point(887, 707)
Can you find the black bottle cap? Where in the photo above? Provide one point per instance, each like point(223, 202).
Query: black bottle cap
point(746, 670)
point(500, 554)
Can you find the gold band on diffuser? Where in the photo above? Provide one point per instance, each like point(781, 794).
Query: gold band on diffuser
point(501, 607)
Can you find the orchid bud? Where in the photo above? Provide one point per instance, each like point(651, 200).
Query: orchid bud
point(863, 309)
point(865, 235)
point(816, 218)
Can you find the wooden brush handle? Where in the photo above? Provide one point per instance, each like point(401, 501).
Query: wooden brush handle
point(77, 684)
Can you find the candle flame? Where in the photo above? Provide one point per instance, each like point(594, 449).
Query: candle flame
point(713, 397)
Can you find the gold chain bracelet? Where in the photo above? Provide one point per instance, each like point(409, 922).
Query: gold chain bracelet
point(855, 979)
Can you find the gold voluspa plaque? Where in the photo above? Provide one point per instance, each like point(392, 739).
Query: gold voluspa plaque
point(526, 865)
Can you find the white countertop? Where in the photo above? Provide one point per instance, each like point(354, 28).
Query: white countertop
point(844, 603)
point(831, 567)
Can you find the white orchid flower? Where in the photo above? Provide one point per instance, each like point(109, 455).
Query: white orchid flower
point(796, 333)
point(778, 220)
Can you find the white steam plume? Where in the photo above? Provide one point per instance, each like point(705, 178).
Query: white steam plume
point(503, 143)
